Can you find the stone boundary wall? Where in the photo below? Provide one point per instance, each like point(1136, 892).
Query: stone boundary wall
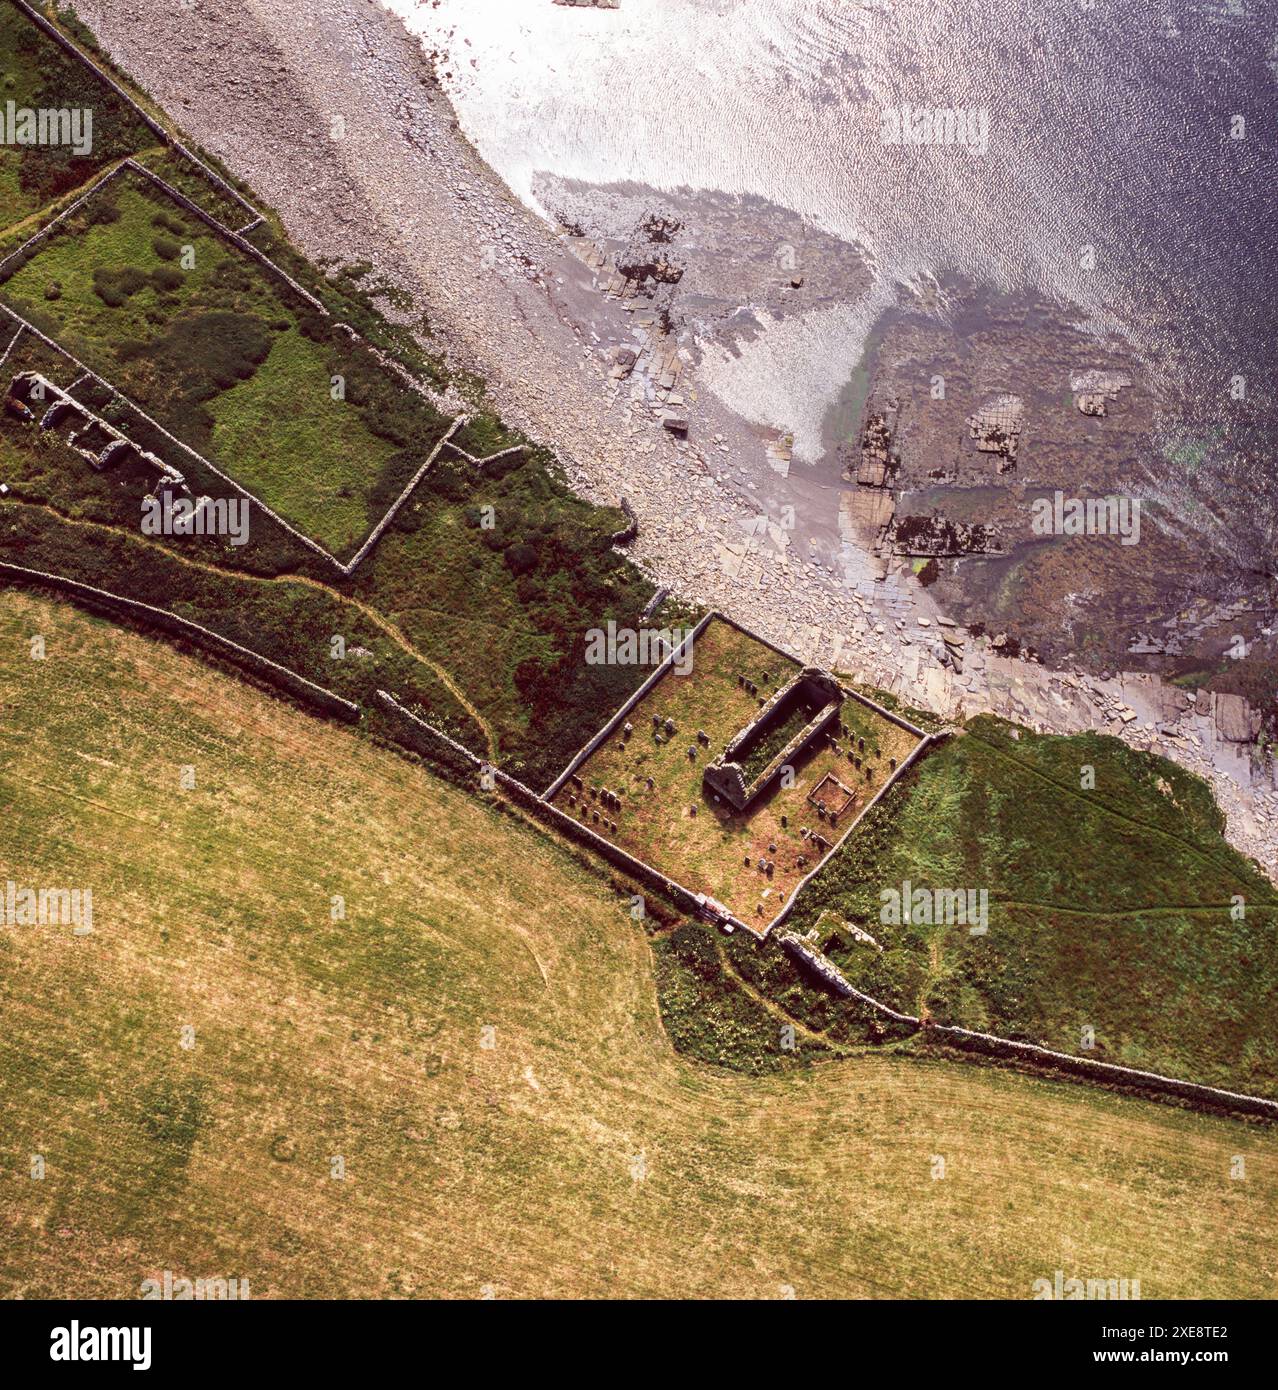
point(618, 718)
point(116, 605)
point(392, 511)
point(992, 1046)
point(899, 720)
point(24, 249)
point(13, 343)
point(138, 110)
point(659, 596)
point(824, 968)
point(397, 368)
point(630, 531)
point(893, 718)
point(492, 458)
point(427, 735)
point(236, 240)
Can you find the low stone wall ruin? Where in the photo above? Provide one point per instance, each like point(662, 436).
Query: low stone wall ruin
point(426, 739)
point(117, 606)
point(965, 1039)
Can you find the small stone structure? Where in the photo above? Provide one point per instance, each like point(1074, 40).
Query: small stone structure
point(63, 409)
point(831, 796)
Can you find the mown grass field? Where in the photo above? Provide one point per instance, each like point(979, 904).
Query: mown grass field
point(1119, 908)
point(579, 1155)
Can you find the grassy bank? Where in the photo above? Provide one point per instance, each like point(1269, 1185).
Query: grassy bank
point(1118, 908)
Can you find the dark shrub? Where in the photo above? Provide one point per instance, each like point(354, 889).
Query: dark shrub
point(167, 277)
point(113, 287)
point(521, 558)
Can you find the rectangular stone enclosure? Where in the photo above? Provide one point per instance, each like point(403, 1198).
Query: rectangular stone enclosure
point(692, 778)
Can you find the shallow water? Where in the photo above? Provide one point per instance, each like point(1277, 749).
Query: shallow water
point(1111, 180)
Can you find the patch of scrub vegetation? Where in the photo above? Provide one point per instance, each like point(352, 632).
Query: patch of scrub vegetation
point(1120, 910)
point(213, 909)
point(36, 74)
point(291, 621)
point(737, 1002)
point(224, 356)
point(500, 575)
point(708, 1013)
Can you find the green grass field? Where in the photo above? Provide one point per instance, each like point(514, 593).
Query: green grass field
point(580, 1155)
point(313, 456)
point(1115, 909)
point(225, 357)
point(36, 74)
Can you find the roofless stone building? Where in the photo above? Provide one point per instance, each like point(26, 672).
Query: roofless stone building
point(789, 724)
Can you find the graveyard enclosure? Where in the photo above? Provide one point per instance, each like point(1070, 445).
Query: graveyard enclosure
point(812, 756)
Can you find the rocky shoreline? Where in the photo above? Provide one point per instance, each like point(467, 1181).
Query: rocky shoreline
point(511, 299)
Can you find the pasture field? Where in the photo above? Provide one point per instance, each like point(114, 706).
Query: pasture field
point(579, 1155)
point(225, 357)
point(1120, 909)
